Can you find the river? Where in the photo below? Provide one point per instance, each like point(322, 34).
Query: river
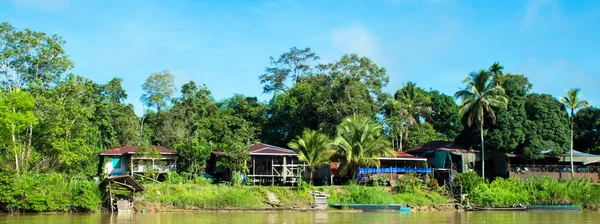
point(310, 217)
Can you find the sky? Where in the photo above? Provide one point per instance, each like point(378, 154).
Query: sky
point(226, 44)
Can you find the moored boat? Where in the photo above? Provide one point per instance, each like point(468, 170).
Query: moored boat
point(373, 207)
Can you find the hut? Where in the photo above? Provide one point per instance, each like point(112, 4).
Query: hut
point(130, 160)
point(268, 165)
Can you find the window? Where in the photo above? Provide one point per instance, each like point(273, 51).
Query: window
point(116, 162)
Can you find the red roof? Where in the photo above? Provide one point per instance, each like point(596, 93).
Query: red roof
point(266, 149)
point(447, 146)
point(132, 149)
point(399, 154)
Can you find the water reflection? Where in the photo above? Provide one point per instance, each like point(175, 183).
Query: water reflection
point(310, 217)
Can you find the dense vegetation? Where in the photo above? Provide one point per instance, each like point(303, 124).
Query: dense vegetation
point(182, 194)
point(506, 192)
point(54, 123)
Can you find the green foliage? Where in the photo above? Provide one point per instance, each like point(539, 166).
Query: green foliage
point(313, 148)
point(361, 143)
point(237, 179)
point(587, 130)
point(508, 133)
point(444, 115)
point(506, 192)
point(47, 193)
point(159, 87)
point(546, 128)
point(469, 181)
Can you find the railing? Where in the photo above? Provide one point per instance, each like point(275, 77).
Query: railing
point(523, 168)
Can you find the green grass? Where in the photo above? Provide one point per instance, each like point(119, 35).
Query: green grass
point(188, 196)
point(503, 192)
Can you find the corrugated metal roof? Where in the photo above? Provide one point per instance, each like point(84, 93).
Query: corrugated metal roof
point(266, 149)
point(447, 146)
point(132, 149)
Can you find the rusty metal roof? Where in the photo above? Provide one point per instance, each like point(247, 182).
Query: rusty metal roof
point(132, 149)
point(446, 146)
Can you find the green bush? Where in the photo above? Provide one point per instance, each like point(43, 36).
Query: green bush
point(46, 193)
point(544, 190)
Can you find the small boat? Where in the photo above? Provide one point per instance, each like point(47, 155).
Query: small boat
point(373, 207)
point(499, 209)
point(562, 207)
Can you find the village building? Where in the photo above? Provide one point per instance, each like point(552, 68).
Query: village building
point(128, 160)
point(268, 165)
point(586, 166)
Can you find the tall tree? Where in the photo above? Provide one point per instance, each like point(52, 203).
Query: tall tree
point(30, 57)
point(444, 115)
point(546, 128)
point(313, 148)
point(480, 97)
point(360, 142)
point(509, 131)
point(573, 101)
point(293, 64)
point(587, 130)
point(16, 114)
point(413, 104)
point(159, 88)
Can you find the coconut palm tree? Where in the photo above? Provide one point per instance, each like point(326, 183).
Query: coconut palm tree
point(360, 142)
point(573, 101)
point(409, 105)
point(313, 148)
point(415, 103)
point(479, 98)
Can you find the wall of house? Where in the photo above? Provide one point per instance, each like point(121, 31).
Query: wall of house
point(110, 170)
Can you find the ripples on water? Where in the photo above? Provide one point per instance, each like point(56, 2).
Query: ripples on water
point(311, 217)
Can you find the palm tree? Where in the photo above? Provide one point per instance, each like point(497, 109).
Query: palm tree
point(573, 101)
point(313, 149)
point(479, 97)
point(361, 143)
point(409, 105)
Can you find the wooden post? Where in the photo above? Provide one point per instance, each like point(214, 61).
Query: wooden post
point(253, 169)
point(110, 197)
point(131, 165)
point(272, 175)
point(284, 170)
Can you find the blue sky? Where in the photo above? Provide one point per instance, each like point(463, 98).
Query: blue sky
point(227, 44)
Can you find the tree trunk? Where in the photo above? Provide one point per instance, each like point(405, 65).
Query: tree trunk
point(571, 154)
point(311, 176)
point(400, 143)
point(482, 151)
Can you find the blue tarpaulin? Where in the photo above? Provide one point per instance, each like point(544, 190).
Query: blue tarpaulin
point(395, 170)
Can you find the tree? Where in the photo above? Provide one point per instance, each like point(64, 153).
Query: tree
point(360, 142)
point(480, 97)
point(444, 115)
point(30, 57)
point(587, 130)
point(16, 114)
point(313, 148)
point(573, 101)
point(546, 128)
point(159, 88)
point(508, 133)
point(293, 63)
point(411, 104)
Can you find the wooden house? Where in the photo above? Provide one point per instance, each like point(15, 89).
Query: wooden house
point(268, 165)
point(127, 160)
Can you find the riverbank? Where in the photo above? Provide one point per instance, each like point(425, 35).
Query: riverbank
point(182, 197)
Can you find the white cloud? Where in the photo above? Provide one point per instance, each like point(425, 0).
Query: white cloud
point(534, 9)
point(44, 5)
point(357, 39)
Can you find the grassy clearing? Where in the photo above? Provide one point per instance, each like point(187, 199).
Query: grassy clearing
point(503, 192)
point(188, 196)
